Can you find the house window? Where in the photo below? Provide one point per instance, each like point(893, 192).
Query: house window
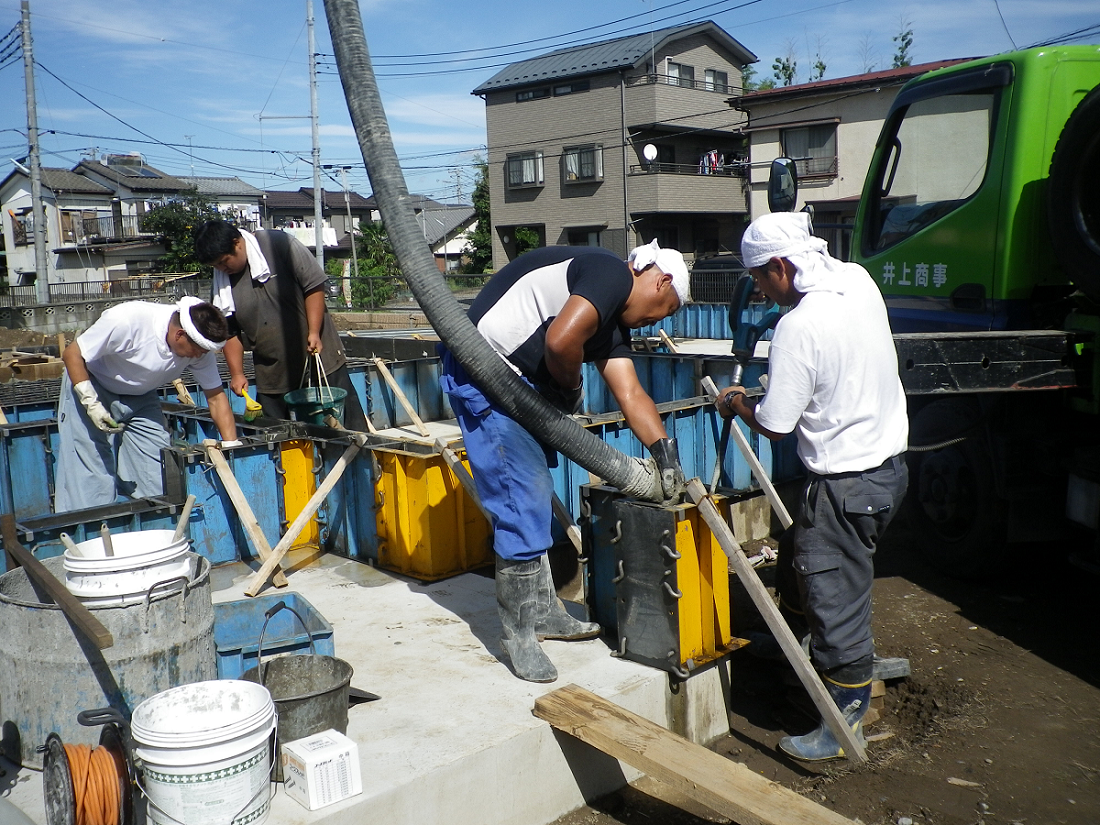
point(717, 81)
point(812, 148)
point(570, 88)
point(680, 74)
point(583, 163)
point(584, 237)
point(525, 170)
point(532, 94)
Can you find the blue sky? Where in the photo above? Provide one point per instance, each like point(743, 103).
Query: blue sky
point(223, 87)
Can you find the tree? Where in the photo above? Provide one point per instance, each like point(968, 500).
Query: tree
point(480, 256)
point(868, 56)
point(526, 239)
point(175, 222)
point(785, 70)
point(379, 274)
point(904, 39)
point(818, 66)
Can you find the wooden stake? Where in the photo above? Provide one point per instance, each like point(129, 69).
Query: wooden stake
point(182, 394)
point(260, 579)
point(185, 516)
point(244, 510)
point(400, 396)
point(776, 623)
point(668, 342)
point(461, 473)
point(80, 616)
point(726, 787)
point(105, 535)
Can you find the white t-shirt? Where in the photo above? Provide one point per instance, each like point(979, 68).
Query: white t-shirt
point(833, 377)
point(127, 352)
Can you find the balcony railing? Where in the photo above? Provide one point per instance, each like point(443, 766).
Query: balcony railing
point(729, 170)
point(105, 228)
point(122, 289)
point(672, 80)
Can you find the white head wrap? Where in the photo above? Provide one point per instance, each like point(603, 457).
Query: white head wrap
point(184, 308)
point(669, 261)
point(787, 235)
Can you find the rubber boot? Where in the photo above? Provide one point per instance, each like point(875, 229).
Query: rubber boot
point(553, 622)
point(517, 585)
point(819, 745)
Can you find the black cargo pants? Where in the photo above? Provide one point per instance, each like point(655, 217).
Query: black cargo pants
point(826, 563)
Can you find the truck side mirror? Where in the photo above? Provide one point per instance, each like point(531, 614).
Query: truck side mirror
point(782, 185)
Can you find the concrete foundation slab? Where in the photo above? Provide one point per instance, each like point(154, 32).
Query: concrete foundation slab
point(453, 738)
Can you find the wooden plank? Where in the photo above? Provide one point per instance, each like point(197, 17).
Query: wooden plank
point(757, 468)
point(668, 342)
point(244, 510)
point(402, 399)
point(830, 714)
point(726, 787)
point(75, 611)
point(567, 523)
point(461, 473)
point(257, 582)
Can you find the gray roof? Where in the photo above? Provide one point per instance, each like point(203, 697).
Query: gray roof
point(63, 180)
point(224, 186)
point(440, 223)
point(143, 178)
point(605, 56)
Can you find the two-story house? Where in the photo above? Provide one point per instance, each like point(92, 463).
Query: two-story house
point(292, 211)
point(829, 129)
point(615, 143)
point(93, 220)
point(237, 201)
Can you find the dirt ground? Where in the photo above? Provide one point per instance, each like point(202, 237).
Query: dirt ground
point(998, 723)
point(16, 338)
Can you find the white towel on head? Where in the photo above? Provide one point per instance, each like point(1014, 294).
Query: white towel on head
point(257, 266)
point(787, 235)
point(669, 261)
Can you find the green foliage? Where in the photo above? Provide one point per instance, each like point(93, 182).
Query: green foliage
point(378, 277)
point(481, 239)
point(785, 70)
point(526, 239)
point(175, 223)
point(904, 39)
point(748, 79)
point(817, 68)
point(765, 84)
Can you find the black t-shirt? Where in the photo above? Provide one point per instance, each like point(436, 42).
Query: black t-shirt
point(514, 309)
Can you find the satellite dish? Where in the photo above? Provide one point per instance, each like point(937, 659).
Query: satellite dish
point(649, 152)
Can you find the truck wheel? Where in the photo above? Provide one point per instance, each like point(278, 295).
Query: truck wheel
point(953, 509)
point(1073, 199)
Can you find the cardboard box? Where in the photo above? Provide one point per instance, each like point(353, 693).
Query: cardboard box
point(321, 769)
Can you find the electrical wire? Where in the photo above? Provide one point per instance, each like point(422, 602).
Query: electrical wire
point(96, 791)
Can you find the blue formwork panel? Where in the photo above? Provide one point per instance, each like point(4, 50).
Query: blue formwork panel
point(238, 624)
point(347, 518)
point(27, 453)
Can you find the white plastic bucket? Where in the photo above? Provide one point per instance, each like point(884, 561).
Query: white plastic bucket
point(206, 752)
point(141, 559)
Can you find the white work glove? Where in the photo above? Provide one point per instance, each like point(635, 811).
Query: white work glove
point(235, 443)
point(96, 411)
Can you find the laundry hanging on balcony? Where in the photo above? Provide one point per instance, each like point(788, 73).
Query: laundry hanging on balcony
point(711, 163)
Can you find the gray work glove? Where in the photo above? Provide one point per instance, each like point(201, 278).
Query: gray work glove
point(569, 402)
point(667, 459)
point(96, 411)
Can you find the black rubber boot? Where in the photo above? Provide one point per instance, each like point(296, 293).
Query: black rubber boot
point(518, 599)
point(853, 700)
point(553, 622)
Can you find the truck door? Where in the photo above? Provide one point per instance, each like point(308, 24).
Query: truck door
point(927, 228)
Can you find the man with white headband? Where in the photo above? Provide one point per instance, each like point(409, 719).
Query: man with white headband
point(546, 314)
point(110, 421)
point(833, 380)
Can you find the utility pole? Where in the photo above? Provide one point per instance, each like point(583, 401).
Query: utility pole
point(38, 211)
point(318, 219)
point(191, 153)
point(351, 234)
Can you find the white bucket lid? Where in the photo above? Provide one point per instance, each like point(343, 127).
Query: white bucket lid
point(130, 548)
point(202, 712)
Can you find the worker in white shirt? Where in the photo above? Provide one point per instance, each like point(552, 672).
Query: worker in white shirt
point(110, 421)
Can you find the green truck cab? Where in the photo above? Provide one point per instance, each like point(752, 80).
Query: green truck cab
point(980, 221)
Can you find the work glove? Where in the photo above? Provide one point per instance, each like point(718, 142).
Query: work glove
point(667, 459)
point(96, 411)
point(569, 402)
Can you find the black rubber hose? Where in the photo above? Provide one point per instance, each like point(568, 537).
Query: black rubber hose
point(496, 379)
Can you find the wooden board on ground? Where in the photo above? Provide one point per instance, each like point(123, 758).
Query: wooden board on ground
point(727, 787)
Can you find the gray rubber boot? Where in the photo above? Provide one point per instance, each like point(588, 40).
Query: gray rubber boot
point(819, 744)
point(553, 622)
point(518, 590)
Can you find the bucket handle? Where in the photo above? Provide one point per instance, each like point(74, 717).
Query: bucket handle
point(275, 608)
point(148, 600)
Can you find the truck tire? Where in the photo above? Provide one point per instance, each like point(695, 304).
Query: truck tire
point(952, 507)
point(1073, 198)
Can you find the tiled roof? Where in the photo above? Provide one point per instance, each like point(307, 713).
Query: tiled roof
point(224, 186)
point(63, 180)
point(605, 56)
point(886, 77)
point(333, 200)
point(440, 223)
point(148, 180)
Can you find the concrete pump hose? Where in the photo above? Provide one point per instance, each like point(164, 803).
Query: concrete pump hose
point(630, 475)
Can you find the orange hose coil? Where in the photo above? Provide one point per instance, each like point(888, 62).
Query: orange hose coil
point(95, 785)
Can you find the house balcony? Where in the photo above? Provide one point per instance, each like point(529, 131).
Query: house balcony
point(681, 188)
point(655, 99)
point(105, 229)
